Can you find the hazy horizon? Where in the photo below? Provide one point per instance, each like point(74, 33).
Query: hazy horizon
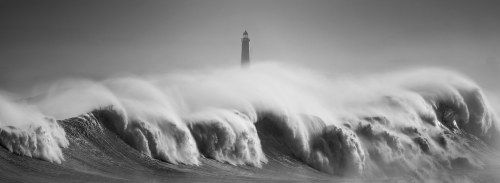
point(48, 40)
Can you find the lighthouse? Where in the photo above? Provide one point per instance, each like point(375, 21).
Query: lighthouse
point(245, 50)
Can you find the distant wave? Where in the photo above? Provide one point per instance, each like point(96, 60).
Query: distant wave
point(412, 122)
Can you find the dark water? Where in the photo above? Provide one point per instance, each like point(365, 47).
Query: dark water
point(97, 154)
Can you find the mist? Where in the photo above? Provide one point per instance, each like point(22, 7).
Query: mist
point(411, 118)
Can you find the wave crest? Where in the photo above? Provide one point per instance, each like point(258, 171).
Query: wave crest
point(165, 141)
point(227, 136)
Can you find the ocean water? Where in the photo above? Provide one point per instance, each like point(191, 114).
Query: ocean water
point(269, 122)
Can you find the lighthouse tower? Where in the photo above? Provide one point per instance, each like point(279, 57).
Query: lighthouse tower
point(245, 50)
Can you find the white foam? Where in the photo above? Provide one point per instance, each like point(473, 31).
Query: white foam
point(25, 131)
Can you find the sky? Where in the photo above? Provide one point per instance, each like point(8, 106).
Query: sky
point(42, 41)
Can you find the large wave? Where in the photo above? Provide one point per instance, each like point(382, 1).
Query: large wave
point(415, 121)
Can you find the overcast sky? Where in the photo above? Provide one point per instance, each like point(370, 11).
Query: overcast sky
point(45, 40)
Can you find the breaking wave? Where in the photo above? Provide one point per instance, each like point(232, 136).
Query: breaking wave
point(25, 131)
point(413, 122)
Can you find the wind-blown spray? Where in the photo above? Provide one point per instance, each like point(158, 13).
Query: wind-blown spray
point(414, 121)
